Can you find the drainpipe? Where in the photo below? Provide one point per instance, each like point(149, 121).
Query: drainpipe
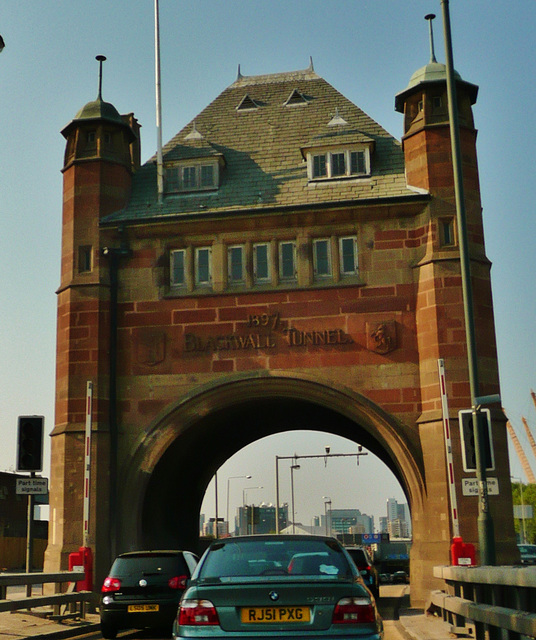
point(114, 254)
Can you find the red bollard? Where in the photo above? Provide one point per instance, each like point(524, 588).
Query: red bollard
point(82, 560)
point(462, 553)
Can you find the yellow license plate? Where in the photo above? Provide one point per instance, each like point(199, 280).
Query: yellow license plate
point(140, 608)
point(251, 615)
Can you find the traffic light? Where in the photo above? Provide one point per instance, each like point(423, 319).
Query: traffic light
point(468, 439)
point(30, 443)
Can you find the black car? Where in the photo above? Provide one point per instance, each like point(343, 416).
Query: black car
point(366, 568)
point(400, 577)
point(143, 589)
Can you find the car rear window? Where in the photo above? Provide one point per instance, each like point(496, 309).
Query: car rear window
point(231, 560)
point(359, 557)
point(149, 564)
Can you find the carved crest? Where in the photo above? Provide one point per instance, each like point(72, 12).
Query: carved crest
point(381, 337)
point(151, 347)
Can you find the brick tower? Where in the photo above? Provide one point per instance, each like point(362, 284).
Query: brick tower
point(102, 152)
point(439, 312)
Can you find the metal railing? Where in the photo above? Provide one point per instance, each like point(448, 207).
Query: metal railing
point(59, 599)
point(488, 602)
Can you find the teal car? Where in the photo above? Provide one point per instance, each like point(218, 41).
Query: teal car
point(277, 586)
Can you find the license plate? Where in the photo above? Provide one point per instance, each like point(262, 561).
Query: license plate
point(250, 615)
point(140, 608)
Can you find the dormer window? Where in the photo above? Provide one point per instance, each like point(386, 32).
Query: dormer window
point(338, 163)
point(193, 176)
point(296, 99)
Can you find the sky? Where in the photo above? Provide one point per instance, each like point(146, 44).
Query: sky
point(367, 49)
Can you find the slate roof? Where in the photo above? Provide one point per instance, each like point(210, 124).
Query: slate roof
point(263, 149)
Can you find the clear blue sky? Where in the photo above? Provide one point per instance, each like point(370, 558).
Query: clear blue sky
point(367, 49)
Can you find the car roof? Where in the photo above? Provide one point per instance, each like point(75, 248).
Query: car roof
point(279, 537)
point(151, 552)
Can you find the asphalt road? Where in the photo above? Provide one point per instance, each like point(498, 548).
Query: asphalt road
point(392, 599)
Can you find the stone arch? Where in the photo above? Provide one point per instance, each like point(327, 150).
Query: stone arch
point(179, 452)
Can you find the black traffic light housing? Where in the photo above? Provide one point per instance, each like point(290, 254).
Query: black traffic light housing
point(468, 439)
point(30, 443)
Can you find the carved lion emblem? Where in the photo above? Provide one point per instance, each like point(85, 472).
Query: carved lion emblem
point(382, 337)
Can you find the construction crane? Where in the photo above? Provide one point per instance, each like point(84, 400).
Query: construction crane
point(521, 454)
point(529, 435)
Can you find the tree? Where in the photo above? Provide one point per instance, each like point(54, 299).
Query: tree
point(525, 494)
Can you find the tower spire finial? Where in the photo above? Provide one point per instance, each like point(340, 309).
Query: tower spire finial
point(101, 59)
point(430, 17)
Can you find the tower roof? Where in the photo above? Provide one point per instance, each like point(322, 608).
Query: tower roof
point(97, 110)
point(432, 73)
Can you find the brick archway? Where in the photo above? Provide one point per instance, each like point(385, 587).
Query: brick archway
point(165, 479)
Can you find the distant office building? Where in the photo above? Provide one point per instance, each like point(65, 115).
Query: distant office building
point(398, 529)
point(341, 521)
point(392, 509)
point(399, 514)
point(208, 528)
point(261, 519)
point(384, 524)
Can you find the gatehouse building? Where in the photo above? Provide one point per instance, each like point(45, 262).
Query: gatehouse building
point(294, 267)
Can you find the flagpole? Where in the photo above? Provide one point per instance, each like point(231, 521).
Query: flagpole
point(159, 163)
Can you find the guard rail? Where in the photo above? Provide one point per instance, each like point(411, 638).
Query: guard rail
point(60, 597)
point(495, 603)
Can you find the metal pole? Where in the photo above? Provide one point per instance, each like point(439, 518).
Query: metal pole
point(228, 487)
point(522, 512)
point(277, 494)
point(486, 535)
point(292, 467)
point(29, 534)
point(216, 503)
point(87, 463)
point(159, 162)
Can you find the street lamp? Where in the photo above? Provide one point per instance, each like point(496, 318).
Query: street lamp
point(296, 457)
point(244, 502)
point(292, 468)
point(327, 500)
point(486, 530)
point(228, 482)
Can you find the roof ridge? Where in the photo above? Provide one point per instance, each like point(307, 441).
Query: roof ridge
point(285, 76)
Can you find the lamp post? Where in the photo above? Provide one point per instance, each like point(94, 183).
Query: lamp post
point(327, 500)
point(296, 457)
point(292, 468)
point(228, 483)
point(522, 508)
point(244, 503)
point(486, 531)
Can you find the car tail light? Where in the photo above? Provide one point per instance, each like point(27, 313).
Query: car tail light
point(353, 611)
point(111, 584)
point(197, 613)
point(178, 582)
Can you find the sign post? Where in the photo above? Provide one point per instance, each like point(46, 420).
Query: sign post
point(30, 459)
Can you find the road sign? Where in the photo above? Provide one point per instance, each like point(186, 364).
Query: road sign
point(32, 486)
point(370, 538)
point(470, 486)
